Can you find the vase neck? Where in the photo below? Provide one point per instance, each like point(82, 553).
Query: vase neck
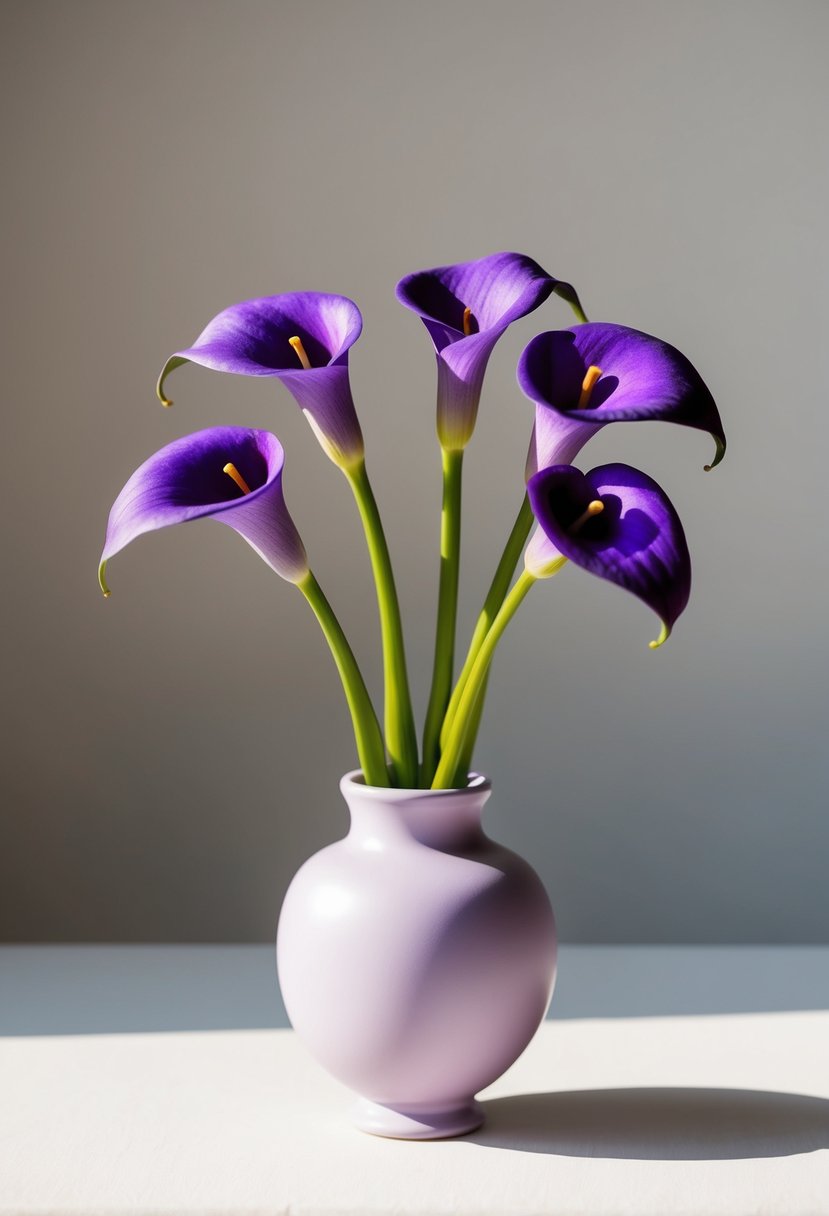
point(438, 819)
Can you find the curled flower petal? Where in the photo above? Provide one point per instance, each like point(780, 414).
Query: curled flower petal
point(641, 378)
point(466, 308)
point(634, 539)
point(255, 338)
point(186, 480)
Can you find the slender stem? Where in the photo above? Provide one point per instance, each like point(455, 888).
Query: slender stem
point(443, 669)
point(493, 603)
point(451, 757)
point(471, 735)
point(495, 598)
point(401, 739)
point(367, 733)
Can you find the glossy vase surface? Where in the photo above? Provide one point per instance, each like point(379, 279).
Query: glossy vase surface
point(416, 957)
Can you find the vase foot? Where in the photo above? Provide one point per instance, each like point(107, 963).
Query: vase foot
point(420, 1122)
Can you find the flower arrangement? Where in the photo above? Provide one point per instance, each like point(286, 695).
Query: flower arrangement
point(614, 521)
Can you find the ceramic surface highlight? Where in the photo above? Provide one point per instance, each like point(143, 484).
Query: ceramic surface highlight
point(416, 957)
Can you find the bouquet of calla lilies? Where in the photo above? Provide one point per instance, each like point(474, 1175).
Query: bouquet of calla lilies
point(614, 521)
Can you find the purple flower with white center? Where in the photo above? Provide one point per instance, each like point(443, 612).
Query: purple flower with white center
point(466, 308)
point(303, 338)
point(230, 474)
point(617, 523)
point(584, 377)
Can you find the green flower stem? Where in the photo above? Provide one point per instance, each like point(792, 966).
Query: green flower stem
point(471, 736)
point(370, 749)
point(495, 598)
point(443, 669)
point(401, 739)
point(492, 605)
point(466, 712)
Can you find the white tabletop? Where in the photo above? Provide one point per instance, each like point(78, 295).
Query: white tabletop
point(724, 1111)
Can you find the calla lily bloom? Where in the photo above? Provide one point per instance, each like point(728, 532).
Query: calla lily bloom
point(466, 308)
point(613, 521)
point(234, 475)
point(584, 377)
point(230, 474)
point(617, 523)
point(303, 338)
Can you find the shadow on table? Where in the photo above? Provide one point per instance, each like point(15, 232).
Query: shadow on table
point(657, 1124)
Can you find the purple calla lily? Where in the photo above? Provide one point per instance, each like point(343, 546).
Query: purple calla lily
point(466, 308)
point(230, 474)
point(617, 523)
point(582, 378)
point(303, 338)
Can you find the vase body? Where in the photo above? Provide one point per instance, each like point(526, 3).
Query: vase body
point(416, 957)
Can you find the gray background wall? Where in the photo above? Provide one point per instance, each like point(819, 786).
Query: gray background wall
point(172, 754)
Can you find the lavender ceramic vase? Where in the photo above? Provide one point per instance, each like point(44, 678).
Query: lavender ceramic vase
point(416, 957)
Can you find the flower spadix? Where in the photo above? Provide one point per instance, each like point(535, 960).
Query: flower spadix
point(617, 523)
point(466, 308)
point(230, 474)
point(584, 377)
point(302, 338)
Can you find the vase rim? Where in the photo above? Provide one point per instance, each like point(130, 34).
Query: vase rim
point(477, 783)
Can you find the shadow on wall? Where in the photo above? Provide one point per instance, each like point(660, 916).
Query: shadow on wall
point(657, 1124)
point(123, 989)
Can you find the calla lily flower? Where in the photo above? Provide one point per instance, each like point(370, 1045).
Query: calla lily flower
point(584, 377)
point(466, 308)
point(230, 474)
point(617, 523)
point(303, 338)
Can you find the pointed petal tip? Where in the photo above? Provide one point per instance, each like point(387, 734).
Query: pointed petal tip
point(159, 390)
point(664, 634)
point(568, 293)
point(172, 363)
point(718, 454)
